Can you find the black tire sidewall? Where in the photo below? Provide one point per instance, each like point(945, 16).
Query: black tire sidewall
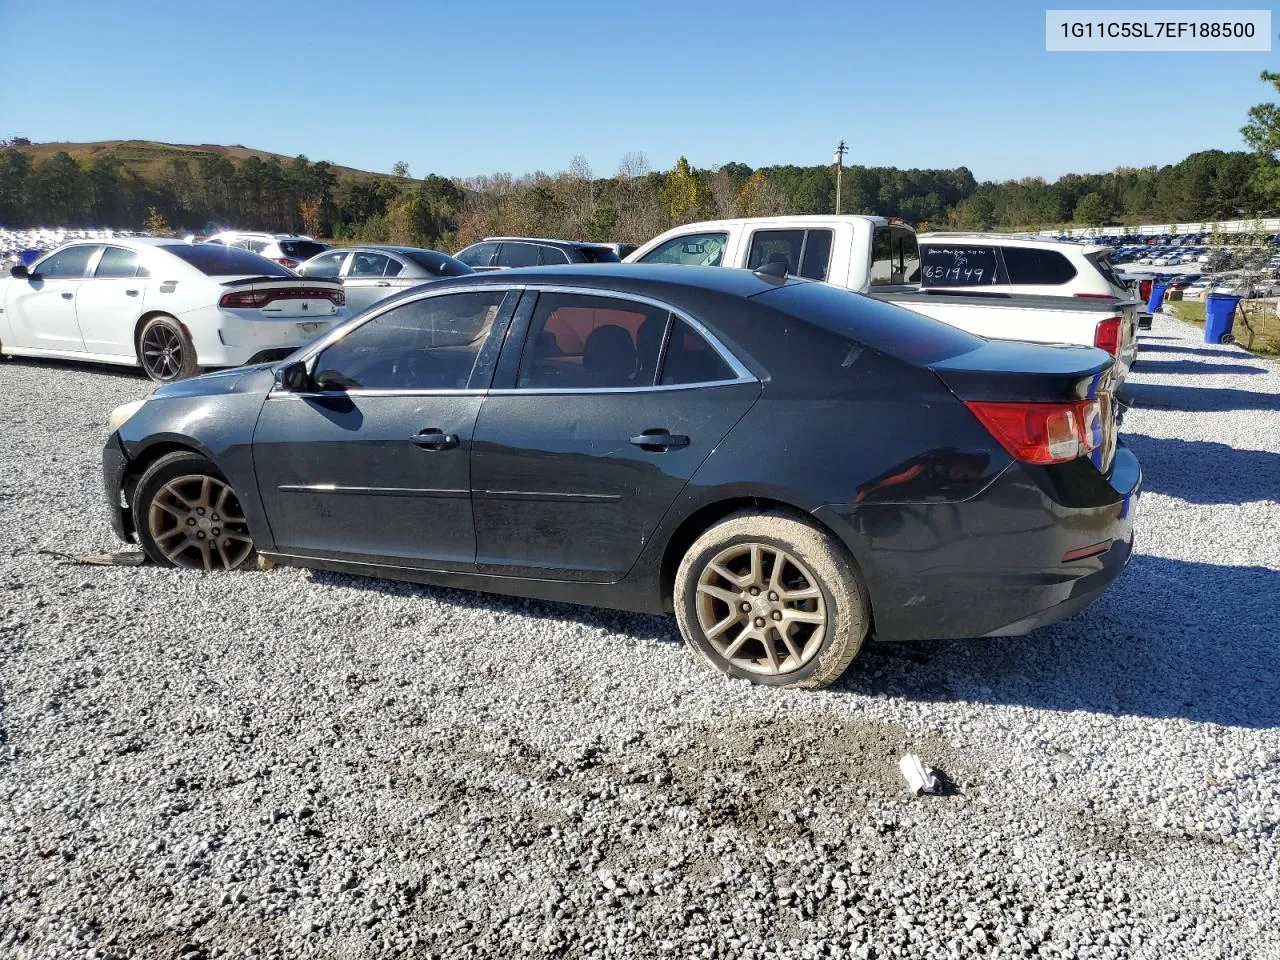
point(171, 465)
point(686, 596)
point(189, 366)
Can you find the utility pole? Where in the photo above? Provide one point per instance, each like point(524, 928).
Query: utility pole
point(841, 150)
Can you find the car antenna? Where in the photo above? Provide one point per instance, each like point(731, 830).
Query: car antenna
point(774, 271)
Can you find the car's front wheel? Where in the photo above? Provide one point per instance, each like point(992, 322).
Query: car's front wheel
point(187, 515)
point(165, 351)
point(773, 599)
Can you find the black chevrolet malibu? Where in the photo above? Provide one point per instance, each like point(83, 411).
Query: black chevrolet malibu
point(786, 466)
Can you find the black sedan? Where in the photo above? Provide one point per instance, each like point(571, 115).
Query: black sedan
point(786, 466)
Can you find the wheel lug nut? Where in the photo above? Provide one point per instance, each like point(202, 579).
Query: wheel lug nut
point(746, 607)
point(777, 614)
point(759, 621)
point(215, 531)
point(191, 521)
point(199, 534)
point(773, 597)
point(200, 511)
point(215, 517)
point(755, 591)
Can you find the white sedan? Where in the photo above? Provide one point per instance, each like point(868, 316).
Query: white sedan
point(167, 306)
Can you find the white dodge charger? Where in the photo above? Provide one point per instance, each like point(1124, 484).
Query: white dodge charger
point(167, 306)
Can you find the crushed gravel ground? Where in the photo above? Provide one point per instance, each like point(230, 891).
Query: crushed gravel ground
point(297, 764)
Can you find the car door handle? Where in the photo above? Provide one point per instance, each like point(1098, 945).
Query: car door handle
point(433, 439)
point(131, 293)
point(67, 296)
point(657, 440)
point(382, 283)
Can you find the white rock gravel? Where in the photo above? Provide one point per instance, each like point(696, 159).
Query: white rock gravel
point(296, 764)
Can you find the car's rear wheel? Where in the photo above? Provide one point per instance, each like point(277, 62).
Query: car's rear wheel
point(772, 599)
point(188, 516)
point(165, 351)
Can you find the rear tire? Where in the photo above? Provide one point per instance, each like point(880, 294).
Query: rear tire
point(771, 598)
point(187, 515)
point(165, 352)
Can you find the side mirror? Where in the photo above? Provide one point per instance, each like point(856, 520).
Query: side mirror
point(18, 270)
point(295, 377)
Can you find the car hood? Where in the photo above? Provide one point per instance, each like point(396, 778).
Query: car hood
point(255, 379)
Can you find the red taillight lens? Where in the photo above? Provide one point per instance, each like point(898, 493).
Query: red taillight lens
point(1144, 290)
point(250, 299)
point(1042, 432)
point(1107, 335)
point(286, 262)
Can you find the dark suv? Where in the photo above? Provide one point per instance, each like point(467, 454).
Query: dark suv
point(494, 253)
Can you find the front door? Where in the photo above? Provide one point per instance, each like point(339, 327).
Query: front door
point(373, 464)
point(579, 454)
point(109, 303)
point(42, 308)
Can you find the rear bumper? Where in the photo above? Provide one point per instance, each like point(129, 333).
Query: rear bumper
point(231, 338)
point(114, 465)
point(993, 565)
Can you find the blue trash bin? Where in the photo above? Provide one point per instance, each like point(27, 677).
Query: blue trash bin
point(1219, 315)
point(1157, 297)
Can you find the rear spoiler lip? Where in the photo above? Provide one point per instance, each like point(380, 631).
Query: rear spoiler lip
point(291, 281)
point(969, 381)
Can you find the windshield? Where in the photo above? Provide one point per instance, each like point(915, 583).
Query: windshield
point(301, 249)
point(600, 255)
point(215, 260)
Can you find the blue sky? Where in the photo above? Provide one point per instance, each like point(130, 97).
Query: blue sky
point(484, 87)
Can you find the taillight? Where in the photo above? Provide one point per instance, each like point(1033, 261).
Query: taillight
point(1042, 432)
point(285, 262)
point(249, 299)
point(1144, 290)
point(1106, 336)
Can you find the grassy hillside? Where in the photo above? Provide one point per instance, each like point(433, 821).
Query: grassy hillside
point(147, 158)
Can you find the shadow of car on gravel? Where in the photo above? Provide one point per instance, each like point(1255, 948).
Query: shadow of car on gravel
point(1221, 353)
point(1172, 639)
point(79, 366)
point(1157, 396)
point(1184, 367)
point(1200, 471)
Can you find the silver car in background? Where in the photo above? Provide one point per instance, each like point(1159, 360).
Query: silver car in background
point(369, 274)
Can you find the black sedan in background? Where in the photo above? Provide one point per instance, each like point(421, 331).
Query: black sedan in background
point(784, 465)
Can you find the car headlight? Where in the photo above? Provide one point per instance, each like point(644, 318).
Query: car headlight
point(121, 414)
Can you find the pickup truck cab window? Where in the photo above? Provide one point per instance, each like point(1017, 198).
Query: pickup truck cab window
point(895, 257)
point(699, 249)
point(807, 253)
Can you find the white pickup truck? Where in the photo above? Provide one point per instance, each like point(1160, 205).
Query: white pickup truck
point(881, 258)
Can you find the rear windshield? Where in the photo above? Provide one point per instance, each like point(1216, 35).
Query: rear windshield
point(900, 333)
point(600, 255)
point(440, 264)
point(301, 249)
point(215, 260)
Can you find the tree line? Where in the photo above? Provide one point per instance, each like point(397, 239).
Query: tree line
point(194, 189)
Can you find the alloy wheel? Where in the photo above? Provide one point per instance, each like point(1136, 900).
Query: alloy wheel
point(162, 352)
point(761, 609)
point(198, 524)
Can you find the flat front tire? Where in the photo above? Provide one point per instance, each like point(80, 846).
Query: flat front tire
point(773, 599)
point(187, 515)
point(165, 351)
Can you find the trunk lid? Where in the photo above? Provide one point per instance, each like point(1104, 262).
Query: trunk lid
point(295, 298)
point(1013, 371)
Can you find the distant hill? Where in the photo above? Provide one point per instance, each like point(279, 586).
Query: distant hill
point(148, 157)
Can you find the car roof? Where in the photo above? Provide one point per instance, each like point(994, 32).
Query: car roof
point(548, 240)
point(1015, 241)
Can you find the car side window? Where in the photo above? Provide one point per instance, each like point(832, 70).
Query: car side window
point(553, 255)
point(518, 255)
point(1031, 266)
point(325, 266)
point(364, 265)
point(701, 249)
point(478, 254)
point(68, 264)
point(583, 342)
point(394, 267)
point(776, 246)
point(960, 265)
point(689, 358)
point(426, 344)
point(117, 262)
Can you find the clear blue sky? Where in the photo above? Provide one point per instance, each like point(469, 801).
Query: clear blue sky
point(478, 88)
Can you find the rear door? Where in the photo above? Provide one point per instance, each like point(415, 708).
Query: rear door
point(109, 303)
point(42, 312)
point(602, 409)
point(373, 466)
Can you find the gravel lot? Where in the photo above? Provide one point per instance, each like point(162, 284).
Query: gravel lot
point(299, 764)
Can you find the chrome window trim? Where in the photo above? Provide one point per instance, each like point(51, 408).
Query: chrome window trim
point(741, 373)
